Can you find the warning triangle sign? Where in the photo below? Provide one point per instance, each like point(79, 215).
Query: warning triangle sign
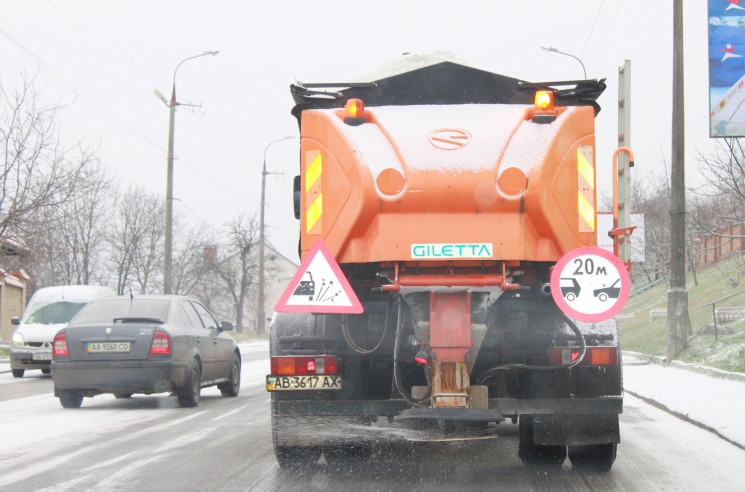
point(319, 286)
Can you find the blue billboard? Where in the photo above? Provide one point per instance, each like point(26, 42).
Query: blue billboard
point(727, 68)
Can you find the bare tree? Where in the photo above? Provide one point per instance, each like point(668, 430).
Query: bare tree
point(135, 241)
point(237, 268)
point(68, 241)
point(188, 259)
point(35, 173)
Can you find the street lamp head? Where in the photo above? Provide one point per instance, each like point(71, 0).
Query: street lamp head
point(211, 52)
point(549, 48)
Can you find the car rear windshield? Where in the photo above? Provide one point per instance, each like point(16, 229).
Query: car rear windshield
point(46, 312)
point(123, 309)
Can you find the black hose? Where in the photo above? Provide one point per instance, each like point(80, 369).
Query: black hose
point(583, 350)
point(416, 402)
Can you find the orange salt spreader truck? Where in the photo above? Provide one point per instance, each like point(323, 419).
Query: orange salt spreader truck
point(446, 194)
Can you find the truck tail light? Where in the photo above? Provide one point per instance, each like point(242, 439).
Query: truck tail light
point(594, 356)
point(301, 366)
point(60, 346)
point(161, 344)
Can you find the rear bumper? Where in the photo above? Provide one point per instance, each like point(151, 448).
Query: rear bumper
point(609, 405)
point(92, 378)
point(24, 359)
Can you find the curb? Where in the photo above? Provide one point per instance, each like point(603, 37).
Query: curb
point(708, 371)
point(684, 417)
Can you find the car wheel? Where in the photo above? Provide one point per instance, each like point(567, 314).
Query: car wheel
point(46, 371)
point(17, 373)
point(189, 394)
point(536, 454)
point(570, 297)
point(603, 297)
point(596, 457)
point(121, 396)
point(233, 385)
point(70, 399)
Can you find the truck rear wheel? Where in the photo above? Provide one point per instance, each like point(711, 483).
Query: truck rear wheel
point(537, 454)
point(340, 455)
point(291, 455)
point(596, 456)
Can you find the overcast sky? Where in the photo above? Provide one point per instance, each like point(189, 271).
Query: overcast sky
point(106, 58)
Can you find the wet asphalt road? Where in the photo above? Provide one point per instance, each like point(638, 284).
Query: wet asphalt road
point(149, 443)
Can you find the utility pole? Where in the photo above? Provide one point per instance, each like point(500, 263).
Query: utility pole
point(260, 311)
point(678, 321)
point(168, 240)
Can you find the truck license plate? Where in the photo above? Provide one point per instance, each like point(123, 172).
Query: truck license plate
point(108, 347)
point(300, 383)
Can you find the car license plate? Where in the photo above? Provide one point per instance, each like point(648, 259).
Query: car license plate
point(108, 347)
point(300, 383)
point(46, 355)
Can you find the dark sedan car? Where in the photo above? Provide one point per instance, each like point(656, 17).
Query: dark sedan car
point(144, 344)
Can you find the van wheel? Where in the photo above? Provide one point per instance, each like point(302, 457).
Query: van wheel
point(18, 373)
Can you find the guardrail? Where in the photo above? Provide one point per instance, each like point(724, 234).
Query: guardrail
point(657, 313)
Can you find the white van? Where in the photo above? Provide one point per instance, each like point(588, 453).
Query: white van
point(48, 311)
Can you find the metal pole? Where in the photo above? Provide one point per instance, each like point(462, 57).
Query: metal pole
point(168, 232)
point(167, 257)
point(624, 172)
point(678, 320)
point(260, 311)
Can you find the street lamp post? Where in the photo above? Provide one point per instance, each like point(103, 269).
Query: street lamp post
point(260, 314)
point(554, 50)
point(168, 241)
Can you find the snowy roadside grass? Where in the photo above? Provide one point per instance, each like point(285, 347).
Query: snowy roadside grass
point(727, 352)
point(4, 353)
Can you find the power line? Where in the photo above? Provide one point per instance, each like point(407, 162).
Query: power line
point(101, 109)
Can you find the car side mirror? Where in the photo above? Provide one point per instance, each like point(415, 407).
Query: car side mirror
point(226, 326)
point(15, 321)
point(296, 196)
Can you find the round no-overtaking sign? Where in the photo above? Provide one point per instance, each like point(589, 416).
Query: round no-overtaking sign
point(590, 284)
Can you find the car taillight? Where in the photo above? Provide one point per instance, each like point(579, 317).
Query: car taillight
point(594, 356)
point(60, 346)
point(161, 344)
point(299, 366)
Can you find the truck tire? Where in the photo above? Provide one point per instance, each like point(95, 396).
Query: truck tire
point(537, 454)
point(350, 454)
point(596, 456)
point(289, 456)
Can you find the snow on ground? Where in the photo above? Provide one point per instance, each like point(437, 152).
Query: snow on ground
point(714, 403)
